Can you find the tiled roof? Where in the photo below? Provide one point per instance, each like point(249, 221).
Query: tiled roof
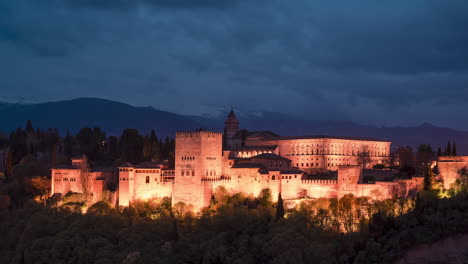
point(126, 165)
point(248, 166)
point(64, 167)
point(291, 172)
point(258, 147)
point(149, 165)
point(260, 134)
point(268, 156)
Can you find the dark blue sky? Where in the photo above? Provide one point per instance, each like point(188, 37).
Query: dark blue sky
point(395, 62)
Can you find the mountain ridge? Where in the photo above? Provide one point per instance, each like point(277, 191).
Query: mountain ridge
point(71, 115)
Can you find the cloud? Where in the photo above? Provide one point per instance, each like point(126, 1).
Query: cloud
point(366, 61)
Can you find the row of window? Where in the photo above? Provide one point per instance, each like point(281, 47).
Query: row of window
point(333, 152)
point(187, 173)
point(276, 164)
point(168, 173)
point(210, 173)
point(147, 171)
point(211, 158)
point(307, 165)
point(187, 158)
point(284, 177)
point(66, 179)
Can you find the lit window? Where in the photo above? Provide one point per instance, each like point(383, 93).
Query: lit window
point(147, 179)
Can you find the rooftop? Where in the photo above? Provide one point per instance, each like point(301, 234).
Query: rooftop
point(258, 147)
point(268, 156)
point(291, 171)
point(324, 136)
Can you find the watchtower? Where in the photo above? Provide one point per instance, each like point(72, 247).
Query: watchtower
point(198, 156)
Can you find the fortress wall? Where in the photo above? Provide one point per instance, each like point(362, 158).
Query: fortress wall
point(150, 185)
point(65, 180)
point(290, 188)
point(248, 186)
point(156, 190)
point(126, 176)
point(450, 167)
point(97, 190)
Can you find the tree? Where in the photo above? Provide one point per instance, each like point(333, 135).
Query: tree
point(454, 149)
point(378, 167)
point(279, 208)
point(101, 208)
point(439, 152)
point(85, 178)
point(29, 127)
point(68, 145)
point(265, 197)
point(90, 142)
point(363, 157)
point(448, 150)
point(40, 185)
point(152, 147)
point(180, 209)
point(404, 157)
point(131, 146)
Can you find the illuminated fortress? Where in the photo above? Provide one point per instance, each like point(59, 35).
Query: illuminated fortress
point(248, 162)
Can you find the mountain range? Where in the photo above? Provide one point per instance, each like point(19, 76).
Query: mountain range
point(113, 117)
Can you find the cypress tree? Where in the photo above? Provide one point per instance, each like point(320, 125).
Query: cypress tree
point(279, 208)
point(449, 149)
point(29, 127)
point(439, 152)
point(454, 149)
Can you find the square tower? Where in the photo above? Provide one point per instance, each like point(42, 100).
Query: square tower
point(198, 157)
point(349, 176)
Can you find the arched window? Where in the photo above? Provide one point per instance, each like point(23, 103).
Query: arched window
point(147, 179)
point(273, 177)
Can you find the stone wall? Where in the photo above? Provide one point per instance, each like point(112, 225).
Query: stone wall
point(198, 156)
point(450, 167)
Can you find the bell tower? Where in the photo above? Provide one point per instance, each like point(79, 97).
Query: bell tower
point(231, 126)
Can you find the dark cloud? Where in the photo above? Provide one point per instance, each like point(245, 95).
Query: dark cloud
point(366, 61)
point(193, 4)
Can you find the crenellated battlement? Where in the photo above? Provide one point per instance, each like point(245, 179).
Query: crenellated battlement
point(217, 182)
point(349, 166)
point(190, 134)
point(216, 179)
point(319, 181)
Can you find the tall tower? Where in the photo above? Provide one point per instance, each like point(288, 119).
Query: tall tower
point(231, 127)
point(198, 157)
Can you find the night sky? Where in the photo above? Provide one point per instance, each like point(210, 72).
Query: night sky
point(398, 62)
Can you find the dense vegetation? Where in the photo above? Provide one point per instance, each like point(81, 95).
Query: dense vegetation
point(102, 150)
point(234, 229)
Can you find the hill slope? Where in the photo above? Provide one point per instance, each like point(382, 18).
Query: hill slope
point(113, 117)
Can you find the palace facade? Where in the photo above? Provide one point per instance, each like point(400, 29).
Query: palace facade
point(248, 162)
